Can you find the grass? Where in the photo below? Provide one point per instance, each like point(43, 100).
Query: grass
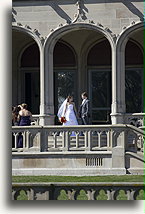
point(111, 178)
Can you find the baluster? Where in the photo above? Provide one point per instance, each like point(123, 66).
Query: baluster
point(63, 140)
point(24, 139)
point(132, 195)
point(27, 139)
point(86, 141)
point(67, 139)
point(109, 196)
point(77, 140)
point(13, 194)
point(108, 140)
point(55, 140)
point(71, 194)
point(113, 194)
point(16, 139)
point(99, 139)
point(111, 138)
point(90, 140)
point(90, 194)
point(129, 195)
point(30, 194)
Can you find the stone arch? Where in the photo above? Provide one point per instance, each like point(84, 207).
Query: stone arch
point(49, 44)
point(138, 45)
point(32, 38)
point(70, 47)
point(59, 32)
point(118, 104)
point(28, 32)
point(124, 36)
point(22, 51)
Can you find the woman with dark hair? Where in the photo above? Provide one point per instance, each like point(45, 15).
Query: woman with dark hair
point(67, 113)
point(15, 113)
point(24, 116)
point(24, 119)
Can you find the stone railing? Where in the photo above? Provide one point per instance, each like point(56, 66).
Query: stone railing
point(135, 119)
point(78, 191)
point(36, 120)
point(77, 138)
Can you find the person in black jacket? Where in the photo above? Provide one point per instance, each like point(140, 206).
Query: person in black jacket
point(84, 113)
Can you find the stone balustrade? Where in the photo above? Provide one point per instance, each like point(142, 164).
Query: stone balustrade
point(78, 191)
point(135, 119)
point(78, 150)
point(77, 138)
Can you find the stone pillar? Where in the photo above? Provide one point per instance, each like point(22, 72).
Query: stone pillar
point(118, 152)
point(42, 88)
point(48, 116)
point(118, 86)
point(46, 89)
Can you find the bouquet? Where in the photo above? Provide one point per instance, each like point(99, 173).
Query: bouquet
point(63, 120)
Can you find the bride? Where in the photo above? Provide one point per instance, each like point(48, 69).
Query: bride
point(67, 112)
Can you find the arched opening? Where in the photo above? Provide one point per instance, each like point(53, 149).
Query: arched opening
point(26, 71)
point(30, 64)
point(74, 67)
point(99, 71)
point(64, 62)
point(134, 73)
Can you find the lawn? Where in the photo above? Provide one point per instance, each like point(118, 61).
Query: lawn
point(111, 178)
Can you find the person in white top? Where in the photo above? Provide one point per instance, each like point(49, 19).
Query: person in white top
point(68, 111)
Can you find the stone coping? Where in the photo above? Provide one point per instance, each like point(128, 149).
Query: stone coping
point(15, 184)
point(63, 153)
point(77, 126)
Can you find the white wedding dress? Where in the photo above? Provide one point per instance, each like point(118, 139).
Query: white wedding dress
point(70, 116)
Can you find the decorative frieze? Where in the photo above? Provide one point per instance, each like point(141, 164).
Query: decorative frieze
point(73, 190)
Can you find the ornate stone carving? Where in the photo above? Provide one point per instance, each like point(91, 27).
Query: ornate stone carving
point(124, 27)
point(42, 39)
point(19, 24)
point(28, 27)
point(14, 14)
point(72, 191)
point(133, 23)
point(100, 25)
point(91, 22)
point(114, 36)
point(80, 16)
point(108, 30)
point(60, 25)
point(37, 32)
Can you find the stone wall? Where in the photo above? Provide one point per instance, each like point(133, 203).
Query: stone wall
point(77, 190)
point(47, 15)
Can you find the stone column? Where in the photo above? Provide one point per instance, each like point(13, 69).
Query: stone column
point(42, 88)
point(118, 86)
point(46, 88)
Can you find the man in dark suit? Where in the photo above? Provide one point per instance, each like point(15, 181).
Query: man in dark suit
point(84, 113)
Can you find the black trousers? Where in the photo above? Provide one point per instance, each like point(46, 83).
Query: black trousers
point(85, 120)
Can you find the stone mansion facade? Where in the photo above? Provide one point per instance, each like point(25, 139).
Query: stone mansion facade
point(65, 47)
